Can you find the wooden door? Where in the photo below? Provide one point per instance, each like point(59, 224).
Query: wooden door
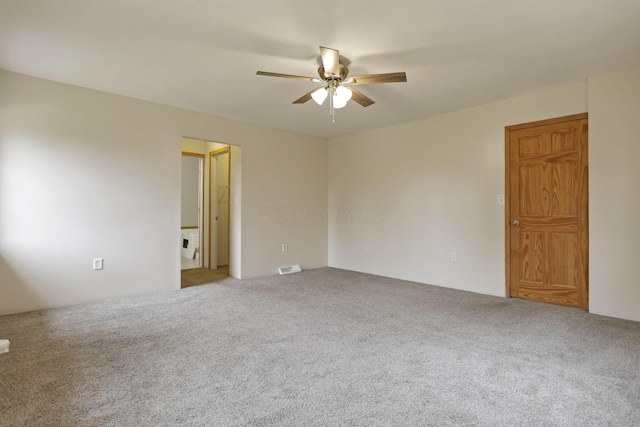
point(547, 211)
point(222, 208)
point(219, 207)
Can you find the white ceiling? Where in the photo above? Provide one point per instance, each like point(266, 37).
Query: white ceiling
point(203, 54)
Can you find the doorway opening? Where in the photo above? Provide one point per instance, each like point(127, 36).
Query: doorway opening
point(221, 207)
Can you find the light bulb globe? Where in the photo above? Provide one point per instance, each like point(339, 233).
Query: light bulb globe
point(343, 94)
point(338, 103)
point(319, 95)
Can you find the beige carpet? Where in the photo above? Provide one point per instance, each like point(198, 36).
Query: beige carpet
point(323, 347)
point(200, 276)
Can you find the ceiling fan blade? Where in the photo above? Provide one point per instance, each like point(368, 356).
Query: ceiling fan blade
point(361, 98)
point(330, 60)
point(289, 76)
point(379, 78)
point(304, 98)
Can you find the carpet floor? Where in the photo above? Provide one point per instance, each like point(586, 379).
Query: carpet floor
point(201, 276)
point(323, 347)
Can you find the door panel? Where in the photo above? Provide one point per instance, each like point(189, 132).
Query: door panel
point(565, 266)
point(547, 258)
point(219, 207)
point(222, 208)
point(564, 177)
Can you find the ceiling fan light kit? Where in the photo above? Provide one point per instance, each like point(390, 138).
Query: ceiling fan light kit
point(334, 74)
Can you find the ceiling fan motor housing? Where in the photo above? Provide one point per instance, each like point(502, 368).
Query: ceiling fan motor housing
point(344, 71)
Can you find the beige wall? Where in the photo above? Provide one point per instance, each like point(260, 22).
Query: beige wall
point(86, 174)
point(77, 182)
point(614, 193)
point(418, 191)
point(290, 205)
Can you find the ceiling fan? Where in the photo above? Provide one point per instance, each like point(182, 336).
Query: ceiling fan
point(335, 76)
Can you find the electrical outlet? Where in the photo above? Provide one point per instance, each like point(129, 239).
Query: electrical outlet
point(454, 257)
point(365, 248)
point(284, 247)
point(97, 263)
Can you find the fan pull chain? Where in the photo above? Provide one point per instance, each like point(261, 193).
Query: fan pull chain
point(331, 110)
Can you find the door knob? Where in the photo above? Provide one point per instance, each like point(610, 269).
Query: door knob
point(516, 223)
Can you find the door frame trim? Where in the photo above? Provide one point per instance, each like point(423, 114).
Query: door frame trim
point(507, 181)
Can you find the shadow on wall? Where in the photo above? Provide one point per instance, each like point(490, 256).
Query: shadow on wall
point(15, 292)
